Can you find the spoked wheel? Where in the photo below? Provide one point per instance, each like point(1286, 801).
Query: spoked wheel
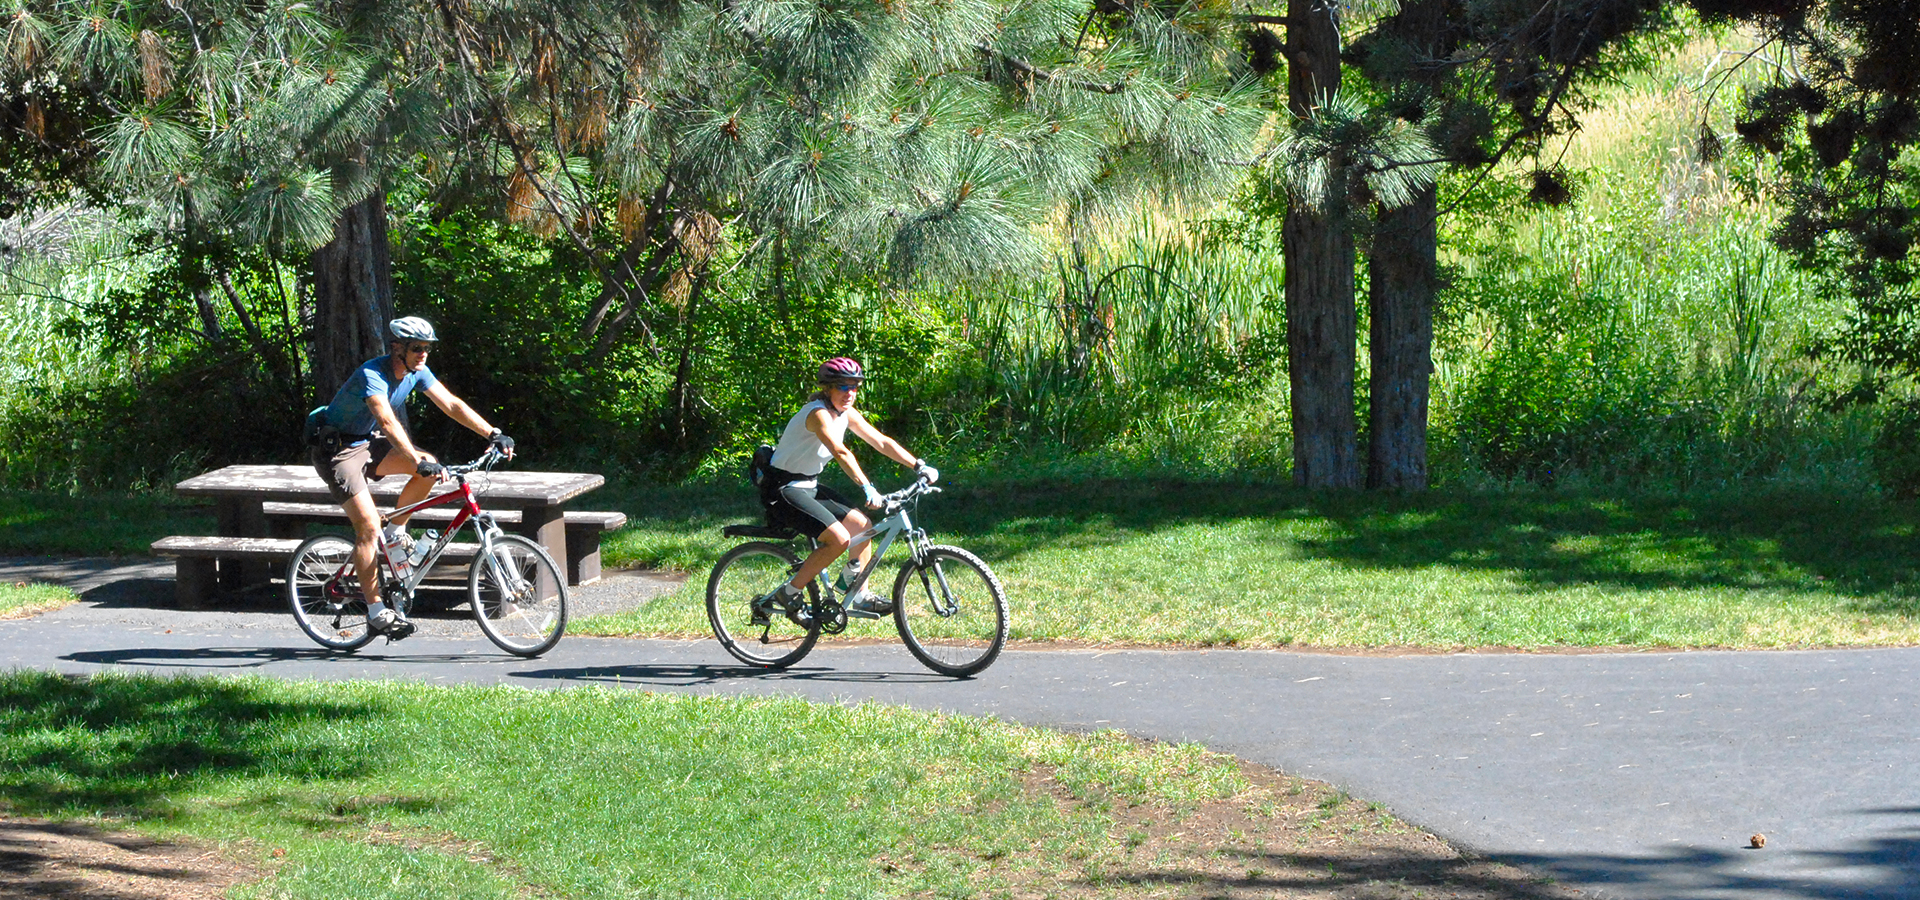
point(519, 596)
point(951, 612)
point(325, 593)
point(744, 575)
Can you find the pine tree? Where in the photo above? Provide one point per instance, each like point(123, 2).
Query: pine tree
point(1841, 115)
point(1460, 84)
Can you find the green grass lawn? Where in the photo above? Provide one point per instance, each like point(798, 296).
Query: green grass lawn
point(1259, 564)
point(24, 599)
point(374, 790)
point(56, 524)
point(1248, 563)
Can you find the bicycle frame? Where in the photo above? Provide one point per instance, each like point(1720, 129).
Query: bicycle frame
point(882, 533)
point(483, 525)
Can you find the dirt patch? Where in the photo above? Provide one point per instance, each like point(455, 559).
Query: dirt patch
point(30, 610)
point(41, 860)
point(1284, 837)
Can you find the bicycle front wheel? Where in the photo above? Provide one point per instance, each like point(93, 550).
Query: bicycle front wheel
point(951, 611)
point(744, 575)
point(519, 596)
point(325, 593)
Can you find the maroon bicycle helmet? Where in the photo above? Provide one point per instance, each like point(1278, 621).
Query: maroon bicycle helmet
point(841, 368)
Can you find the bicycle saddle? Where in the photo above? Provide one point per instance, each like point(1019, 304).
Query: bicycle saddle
point(772, 532)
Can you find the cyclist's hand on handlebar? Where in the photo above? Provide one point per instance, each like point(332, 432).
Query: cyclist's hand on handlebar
point(502, 443)
point(874, 498)
point(427, 468)
point(925, 472)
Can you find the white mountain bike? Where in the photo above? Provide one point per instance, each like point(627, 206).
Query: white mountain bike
point(947, 605)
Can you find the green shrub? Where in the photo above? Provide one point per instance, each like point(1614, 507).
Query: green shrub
point(1896, 448)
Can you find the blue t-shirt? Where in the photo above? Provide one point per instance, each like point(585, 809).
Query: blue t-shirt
point(349, 411)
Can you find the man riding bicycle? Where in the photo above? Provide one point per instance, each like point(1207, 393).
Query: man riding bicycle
point(794, 497)
point(362, 435)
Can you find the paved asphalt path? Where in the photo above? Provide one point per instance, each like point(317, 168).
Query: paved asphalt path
point(1626, 775)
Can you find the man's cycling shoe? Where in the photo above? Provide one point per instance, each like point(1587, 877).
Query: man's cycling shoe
point(389, 623)
point(868, 605)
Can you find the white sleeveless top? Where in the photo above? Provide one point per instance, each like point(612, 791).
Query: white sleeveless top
point(801, 451)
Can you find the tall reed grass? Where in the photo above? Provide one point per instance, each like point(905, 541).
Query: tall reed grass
point(1647, 333)
point(1161, 343)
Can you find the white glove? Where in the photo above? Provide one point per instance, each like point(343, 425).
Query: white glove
point(873, 494)
point(926, 472)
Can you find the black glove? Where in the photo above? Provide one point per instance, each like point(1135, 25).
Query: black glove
point(428, 469)
point(501, 442)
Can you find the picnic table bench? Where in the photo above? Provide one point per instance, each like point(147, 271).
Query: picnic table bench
point(261, 514)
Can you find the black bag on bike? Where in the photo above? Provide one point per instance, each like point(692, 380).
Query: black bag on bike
point(320, 434)
point(761, 462)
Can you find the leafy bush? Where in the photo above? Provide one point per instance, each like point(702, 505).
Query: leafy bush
point(1896, 448)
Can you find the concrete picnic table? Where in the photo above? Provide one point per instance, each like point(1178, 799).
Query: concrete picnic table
point(240, 494)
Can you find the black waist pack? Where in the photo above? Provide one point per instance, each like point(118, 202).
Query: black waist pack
point(761, 462)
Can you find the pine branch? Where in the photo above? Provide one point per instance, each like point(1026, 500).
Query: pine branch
point(1033, 71)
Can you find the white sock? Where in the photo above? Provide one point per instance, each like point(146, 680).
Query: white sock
point(373, 609)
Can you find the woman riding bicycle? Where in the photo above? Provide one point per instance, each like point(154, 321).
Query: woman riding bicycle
point(794, 497)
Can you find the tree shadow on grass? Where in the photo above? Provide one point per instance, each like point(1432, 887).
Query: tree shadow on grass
point(1861, 547)
point(130, 745)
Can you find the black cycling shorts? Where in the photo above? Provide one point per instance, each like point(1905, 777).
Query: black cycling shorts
point(805, 505)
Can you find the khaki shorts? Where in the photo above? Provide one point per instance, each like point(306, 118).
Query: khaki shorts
point(347, 472)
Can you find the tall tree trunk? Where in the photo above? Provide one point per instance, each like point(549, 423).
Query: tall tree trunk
point(683, 373)
point(352, 294)
point(1403, 272)
point(1403, 276)
point(1318, 248)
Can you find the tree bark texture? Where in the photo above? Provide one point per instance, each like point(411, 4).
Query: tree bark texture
point(1403, 268)
point(1403, 277)
point(352, 295)
point(1318, 248)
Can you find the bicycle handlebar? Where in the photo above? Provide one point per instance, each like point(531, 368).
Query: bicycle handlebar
point(483, 461)
point(892, 503)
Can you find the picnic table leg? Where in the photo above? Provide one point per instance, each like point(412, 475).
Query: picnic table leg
point(583, 554)
point(547, 526)
point(242, 517)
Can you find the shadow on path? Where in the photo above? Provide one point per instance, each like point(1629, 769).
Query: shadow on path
point(690, 674)
point(248, 657)
point(1884, 868)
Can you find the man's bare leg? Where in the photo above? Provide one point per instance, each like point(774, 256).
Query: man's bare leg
point(366, 537)
point(366, 522)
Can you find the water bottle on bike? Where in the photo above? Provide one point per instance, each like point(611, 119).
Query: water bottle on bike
point(399, 550)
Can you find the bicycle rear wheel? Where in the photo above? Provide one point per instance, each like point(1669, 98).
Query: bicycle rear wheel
point(951, 611)
point(744, 575)
point(519, 596)
point(325, 593)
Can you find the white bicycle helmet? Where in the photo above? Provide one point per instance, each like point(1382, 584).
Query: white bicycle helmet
point(411, 328)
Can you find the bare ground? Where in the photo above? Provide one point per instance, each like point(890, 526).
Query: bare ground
point(41, 860)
